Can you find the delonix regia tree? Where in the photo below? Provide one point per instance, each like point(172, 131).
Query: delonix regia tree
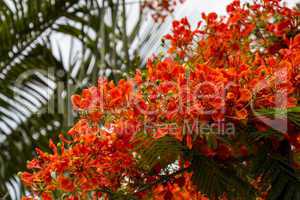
point(32, 56)
point(215, 117)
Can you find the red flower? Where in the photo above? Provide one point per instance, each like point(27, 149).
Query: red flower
point(65, 184)
point(34, 164)
point(212, 17)
point(241, 114)
point(27, 178)
point(47, 196)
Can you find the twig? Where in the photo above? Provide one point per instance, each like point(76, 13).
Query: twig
point(163, 179)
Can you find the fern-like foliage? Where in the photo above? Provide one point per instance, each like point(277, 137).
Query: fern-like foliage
point(292, 114)
point(163, 151)
point(276, 176)
point(215, 179)
point(211, 177)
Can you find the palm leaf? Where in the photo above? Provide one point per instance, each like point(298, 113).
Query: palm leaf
point(21, 27)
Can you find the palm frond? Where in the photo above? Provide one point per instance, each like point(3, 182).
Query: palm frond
point(22, 25)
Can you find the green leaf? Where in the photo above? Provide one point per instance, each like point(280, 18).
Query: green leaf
point(292, 114)
point(68, 29)
point(276, 172)
point(164, 151)
point(214, 179)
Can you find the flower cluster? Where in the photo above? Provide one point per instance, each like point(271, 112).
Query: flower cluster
point(182, 37)
point(161, 9)
point(231, 71)
point(92, 161)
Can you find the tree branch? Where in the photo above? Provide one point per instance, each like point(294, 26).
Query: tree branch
point(163, 179)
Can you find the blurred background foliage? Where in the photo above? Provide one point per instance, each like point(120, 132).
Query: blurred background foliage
point(49, 50)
